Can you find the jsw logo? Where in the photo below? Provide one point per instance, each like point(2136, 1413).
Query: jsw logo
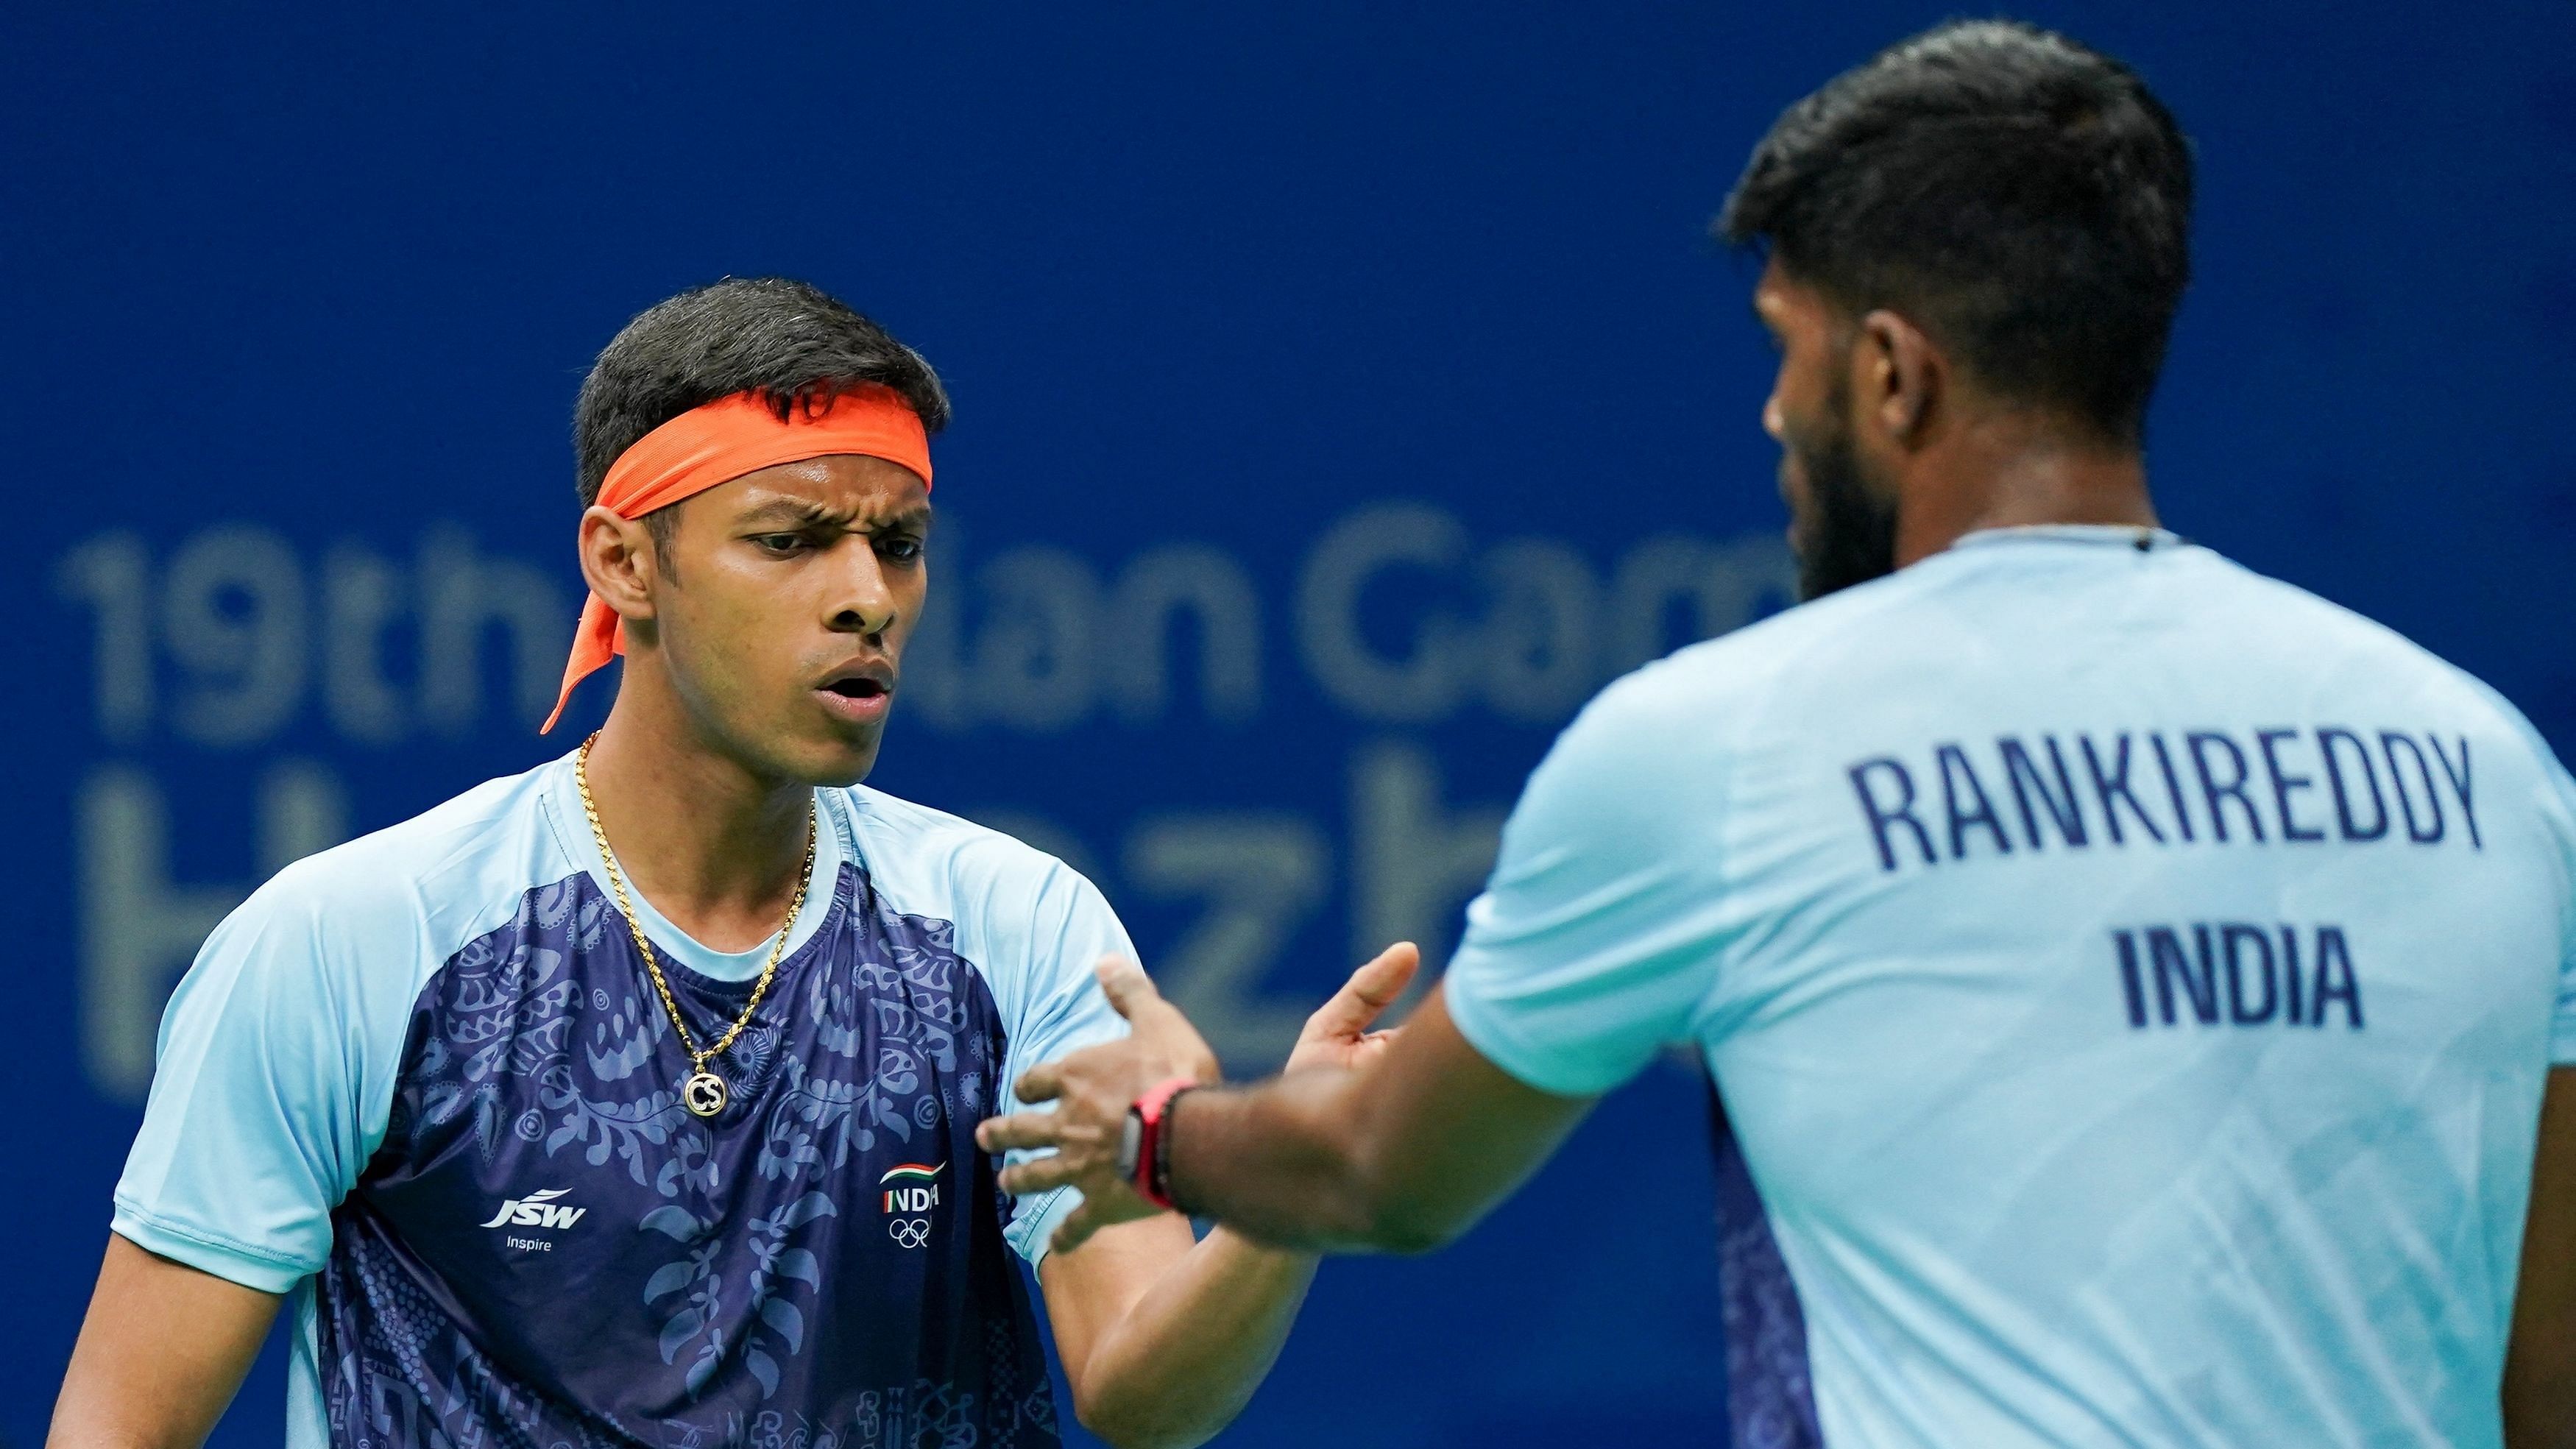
point(537, 1210)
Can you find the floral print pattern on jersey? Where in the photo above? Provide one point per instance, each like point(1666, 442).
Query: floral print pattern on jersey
point(549, 1248)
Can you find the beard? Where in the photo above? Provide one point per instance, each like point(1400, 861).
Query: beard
point(1848, 533)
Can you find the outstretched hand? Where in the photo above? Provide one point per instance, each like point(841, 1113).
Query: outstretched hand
point(1338, 1034)
point(1092, 1090)
point(1094, 1087)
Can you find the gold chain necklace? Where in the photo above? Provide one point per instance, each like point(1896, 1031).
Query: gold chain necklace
point(704, 1092)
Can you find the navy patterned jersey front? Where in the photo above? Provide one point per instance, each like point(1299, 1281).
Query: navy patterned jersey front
point(423, 1082)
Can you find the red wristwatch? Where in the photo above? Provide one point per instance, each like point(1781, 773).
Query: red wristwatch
point(1145, 1147)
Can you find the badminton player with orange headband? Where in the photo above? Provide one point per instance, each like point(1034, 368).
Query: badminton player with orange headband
point(633, 1098)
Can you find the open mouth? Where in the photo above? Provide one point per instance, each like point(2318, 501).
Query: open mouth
point(858, 693)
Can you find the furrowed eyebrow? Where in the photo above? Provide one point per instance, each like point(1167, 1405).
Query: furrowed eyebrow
point(790, 511)
point(805, 513)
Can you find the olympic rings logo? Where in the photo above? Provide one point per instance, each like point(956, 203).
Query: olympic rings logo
point(909, 1232)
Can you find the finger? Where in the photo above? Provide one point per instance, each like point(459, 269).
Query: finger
point(1038, 1174)
point(1371, 990)
point(1077, 1228)
point(1383, 979)
point(1125, 983)
point(1020, 1130)
point(1041, 1083)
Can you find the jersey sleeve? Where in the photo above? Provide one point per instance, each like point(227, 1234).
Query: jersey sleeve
point(258, 1121)
point(1062, 1010)
point(1593, 943)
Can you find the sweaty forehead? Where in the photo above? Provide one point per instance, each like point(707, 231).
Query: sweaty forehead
point(848, 487)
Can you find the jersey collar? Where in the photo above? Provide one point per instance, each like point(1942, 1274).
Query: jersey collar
point(2144, 540)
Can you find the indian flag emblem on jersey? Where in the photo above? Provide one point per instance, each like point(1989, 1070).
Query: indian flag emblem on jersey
point(912, 1187)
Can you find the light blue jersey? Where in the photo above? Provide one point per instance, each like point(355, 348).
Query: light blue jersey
point(424, 1081)
point(2129, 980)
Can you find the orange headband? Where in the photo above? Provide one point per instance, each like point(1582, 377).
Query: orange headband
point(718, 443)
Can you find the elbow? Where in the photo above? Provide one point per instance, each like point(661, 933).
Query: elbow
point(1126, 1410)
point(1118, 1434)
point(1409, 1231)
point(1135, 1427)
point(1384, 1213)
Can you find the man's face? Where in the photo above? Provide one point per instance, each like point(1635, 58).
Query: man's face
point(1842, 513)
point(783, 610)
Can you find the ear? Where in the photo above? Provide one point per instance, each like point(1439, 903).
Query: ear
point(619, 563)
point(1899, 378)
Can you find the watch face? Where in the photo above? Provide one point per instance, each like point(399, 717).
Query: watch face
point(1131, 1140)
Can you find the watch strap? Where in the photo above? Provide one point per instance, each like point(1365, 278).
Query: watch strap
point(1145, 1154)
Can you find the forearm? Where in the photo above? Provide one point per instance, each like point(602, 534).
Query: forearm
point(1401, 1154)
point(1292, 1162)
point(1165, 1339)
point(1187, 1356)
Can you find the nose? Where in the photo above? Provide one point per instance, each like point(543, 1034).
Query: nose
point(1771, 419)
point(862, 602)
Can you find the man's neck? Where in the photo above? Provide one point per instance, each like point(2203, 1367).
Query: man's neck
point(715, 847)
point(2012, 473)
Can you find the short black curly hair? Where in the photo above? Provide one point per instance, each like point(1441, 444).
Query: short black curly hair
point(2024, 199)
point(790, 341)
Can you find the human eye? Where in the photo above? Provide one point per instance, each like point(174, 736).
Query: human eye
point(900, 547)
point(779, 545)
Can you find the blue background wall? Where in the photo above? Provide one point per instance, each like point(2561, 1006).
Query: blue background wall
point(1386, 342)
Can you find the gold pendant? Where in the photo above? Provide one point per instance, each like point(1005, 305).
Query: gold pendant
point(704, 1093)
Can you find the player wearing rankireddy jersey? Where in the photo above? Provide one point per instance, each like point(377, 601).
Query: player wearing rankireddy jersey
point(2133, 985)
point(630, 1100)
